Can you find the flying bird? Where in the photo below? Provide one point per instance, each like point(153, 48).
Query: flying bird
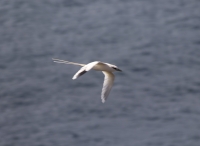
point(106, 68)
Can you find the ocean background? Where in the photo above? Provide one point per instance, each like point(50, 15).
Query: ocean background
point(155, 101)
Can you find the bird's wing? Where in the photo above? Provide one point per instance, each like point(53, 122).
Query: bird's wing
point(107, 85)
point(84, 69)
point(89, 66)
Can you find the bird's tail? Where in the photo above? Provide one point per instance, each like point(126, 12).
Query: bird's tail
point(66, 62)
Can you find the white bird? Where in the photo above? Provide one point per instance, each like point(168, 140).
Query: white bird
point(106, 68)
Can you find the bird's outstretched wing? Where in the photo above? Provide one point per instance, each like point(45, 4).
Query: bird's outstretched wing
point(84, 69)
point(107, 85)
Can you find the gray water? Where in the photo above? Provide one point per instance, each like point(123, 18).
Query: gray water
point(155, 101)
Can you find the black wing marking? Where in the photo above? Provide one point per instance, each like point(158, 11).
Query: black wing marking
point(79, 73)
point(84, 69)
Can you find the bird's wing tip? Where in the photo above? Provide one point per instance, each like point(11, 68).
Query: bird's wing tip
point(103, 100)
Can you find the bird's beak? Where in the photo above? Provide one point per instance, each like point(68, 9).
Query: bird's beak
point(119, 70)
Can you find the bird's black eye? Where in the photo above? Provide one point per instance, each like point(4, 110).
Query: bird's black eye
point(115, 68)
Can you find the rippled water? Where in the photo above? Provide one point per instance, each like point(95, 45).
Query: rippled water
point(155, 101)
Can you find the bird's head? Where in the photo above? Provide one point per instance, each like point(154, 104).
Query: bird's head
point(116, 68)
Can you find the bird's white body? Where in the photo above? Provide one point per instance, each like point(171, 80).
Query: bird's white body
point(106, 68)
point(101, 66)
